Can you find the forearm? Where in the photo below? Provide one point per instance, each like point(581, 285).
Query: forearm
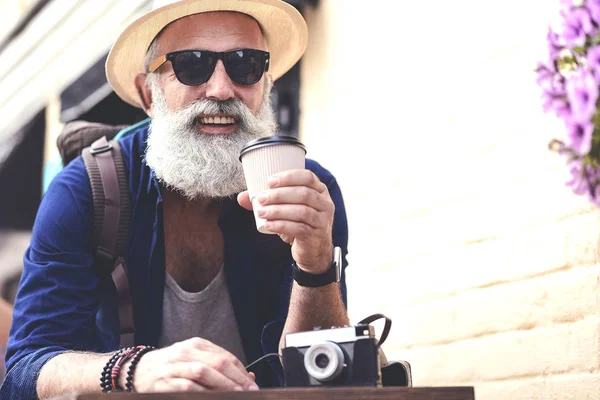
point(310, 307)
point(5, 321)
point(71, 372)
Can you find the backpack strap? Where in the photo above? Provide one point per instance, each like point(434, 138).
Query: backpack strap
point(110, 192)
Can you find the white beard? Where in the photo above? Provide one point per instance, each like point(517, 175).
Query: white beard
point(200, 165)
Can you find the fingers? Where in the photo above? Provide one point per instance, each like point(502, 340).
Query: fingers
point(244, 200)
point(205, 352)
point(192, 365)
point(300, 210)
point(294, 213)
point(296, 177)
point(289, 229)
point(320, 201)
point(203, 375)
point(231, 369)
point(287, 239)
point(292, 187)
point(178, 385)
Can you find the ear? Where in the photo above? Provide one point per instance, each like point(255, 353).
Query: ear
point(144, 93)
point(268, 85)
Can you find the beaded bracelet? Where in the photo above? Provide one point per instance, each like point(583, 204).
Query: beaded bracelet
point(105, 381)
point(134, 361)
point(109, 379)
point(115, 372)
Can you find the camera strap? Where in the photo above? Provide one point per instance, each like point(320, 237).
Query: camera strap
point(386, 329)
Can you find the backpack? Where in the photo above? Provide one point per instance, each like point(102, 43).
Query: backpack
point(99, 147)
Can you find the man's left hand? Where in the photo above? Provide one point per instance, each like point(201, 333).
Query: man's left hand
point(297, 207)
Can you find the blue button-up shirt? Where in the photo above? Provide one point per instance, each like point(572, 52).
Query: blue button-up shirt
point(64, 303)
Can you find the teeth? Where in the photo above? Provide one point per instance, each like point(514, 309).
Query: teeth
point(217, 120)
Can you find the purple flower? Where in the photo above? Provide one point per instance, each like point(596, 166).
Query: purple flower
point(593, 62)
point(582, 95)
point(566, 5)
point(549, 80)
point(578, 182)
point(558, 104)
point(591, 179)
point(585, 181)
point(577, 24)
point(554, 96)
point(594, 195)
point(554, 44)
point(570, 83)
point(594, 7)
point(580, 136)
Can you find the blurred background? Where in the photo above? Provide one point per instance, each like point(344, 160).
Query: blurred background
point(461, 228)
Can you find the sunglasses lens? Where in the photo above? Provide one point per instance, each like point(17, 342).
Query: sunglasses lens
point(245, 67)
point(193, 67)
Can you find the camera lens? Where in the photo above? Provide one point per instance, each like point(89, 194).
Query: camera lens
point(324, 361)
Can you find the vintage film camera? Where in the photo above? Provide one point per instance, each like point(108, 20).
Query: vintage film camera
point(341, 356)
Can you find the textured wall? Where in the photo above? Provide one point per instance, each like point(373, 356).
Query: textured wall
point(461, 228)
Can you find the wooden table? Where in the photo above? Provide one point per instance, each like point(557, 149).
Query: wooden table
point(414, 393)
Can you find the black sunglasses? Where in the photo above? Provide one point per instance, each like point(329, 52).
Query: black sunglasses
point(195, 67)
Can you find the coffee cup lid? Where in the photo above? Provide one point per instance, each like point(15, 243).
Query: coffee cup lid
point(270, 141)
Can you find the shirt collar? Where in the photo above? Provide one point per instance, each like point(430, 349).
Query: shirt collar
point(153, 183)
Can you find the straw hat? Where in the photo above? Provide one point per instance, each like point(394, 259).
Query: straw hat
point(283, 26)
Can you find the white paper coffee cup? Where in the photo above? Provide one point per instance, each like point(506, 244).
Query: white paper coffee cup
point(265, 157)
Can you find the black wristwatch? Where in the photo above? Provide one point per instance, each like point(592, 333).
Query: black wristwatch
point(333, 274)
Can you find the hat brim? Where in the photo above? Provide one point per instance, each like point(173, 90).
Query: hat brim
point(284, 29)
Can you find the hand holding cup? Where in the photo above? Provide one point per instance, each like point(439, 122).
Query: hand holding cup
point(289, 200)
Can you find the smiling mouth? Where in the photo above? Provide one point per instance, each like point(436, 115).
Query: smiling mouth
point(217, 120)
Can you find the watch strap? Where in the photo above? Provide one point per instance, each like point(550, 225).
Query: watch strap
point(333, 274)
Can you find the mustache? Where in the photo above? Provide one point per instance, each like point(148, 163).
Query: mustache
point(190, 115)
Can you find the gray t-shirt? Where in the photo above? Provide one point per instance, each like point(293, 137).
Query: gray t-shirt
point(207, 314)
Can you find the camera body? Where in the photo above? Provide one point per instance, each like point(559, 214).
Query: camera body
point(340, 356)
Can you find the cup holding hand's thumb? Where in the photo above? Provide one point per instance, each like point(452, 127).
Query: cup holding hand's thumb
point(244, 200)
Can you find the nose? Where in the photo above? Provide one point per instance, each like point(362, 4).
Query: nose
point(219, 86)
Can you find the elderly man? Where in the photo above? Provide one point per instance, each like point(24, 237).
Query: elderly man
point(209, 292)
